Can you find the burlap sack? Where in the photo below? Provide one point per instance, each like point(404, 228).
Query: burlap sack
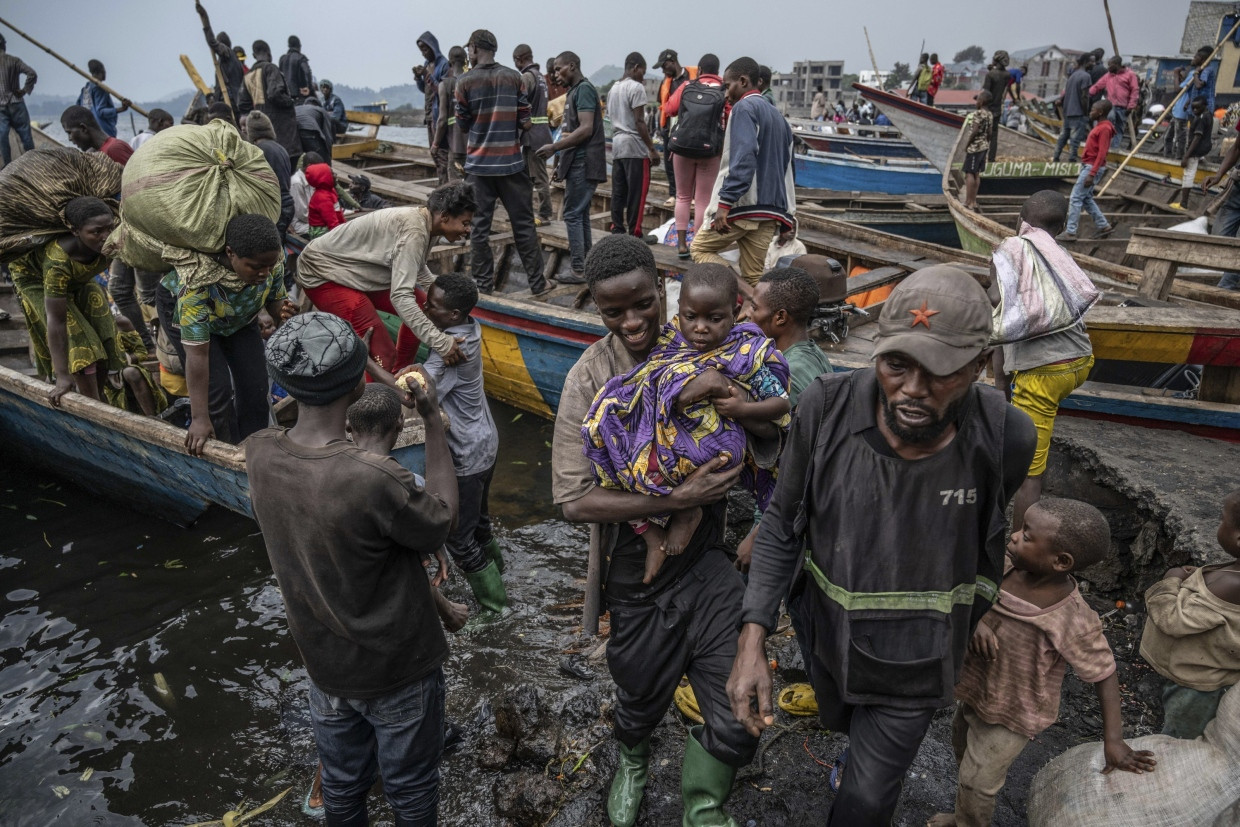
point(184, 187)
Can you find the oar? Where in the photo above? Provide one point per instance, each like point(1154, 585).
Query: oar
point(1164, 114)
point(86, 75)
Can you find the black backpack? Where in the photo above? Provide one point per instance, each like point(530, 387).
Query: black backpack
point(699, 122)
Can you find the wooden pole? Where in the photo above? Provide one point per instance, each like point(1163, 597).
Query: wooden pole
point(86, 75)
point(1164, 114)
point(1132, 127)
point(592, 605)
point(877, 75)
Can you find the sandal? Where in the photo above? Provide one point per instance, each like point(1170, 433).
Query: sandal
point(683, 254)
point(837, 770)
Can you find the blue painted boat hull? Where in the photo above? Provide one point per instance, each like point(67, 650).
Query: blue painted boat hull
point(838, 173)
point(128, 458)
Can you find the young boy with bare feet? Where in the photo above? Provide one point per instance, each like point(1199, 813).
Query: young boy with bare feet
point(132, 388)
point(1012, 675)
point(1192, 632)
point(645, 434)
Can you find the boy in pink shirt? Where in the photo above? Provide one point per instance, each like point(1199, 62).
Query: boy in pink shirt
point(1010, 683)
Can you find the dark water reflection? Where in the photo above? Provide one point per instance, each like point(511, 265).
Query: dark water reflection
point(99, 603)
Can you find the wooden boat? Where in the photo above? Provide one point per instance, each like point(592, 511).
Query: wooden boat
point(529, 345)
point(137, 460)
point(1132, 200)
point(896, 176)
point(852, 139)
point(367, 140)
point(1163, 168)
point(41, 141)
point(918, 216)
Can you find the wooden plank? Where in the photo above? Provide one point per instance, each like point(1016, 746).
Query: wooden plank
point(370, 118)
point(1220, 384)
point(342, 151)
point(1157, 278)
point(1215, 252)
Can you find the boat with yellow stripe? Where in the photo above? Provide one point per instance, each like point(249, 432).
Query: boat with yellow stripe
point(530, 344)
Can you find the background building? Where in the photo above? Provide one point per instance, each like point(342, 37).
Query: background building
point(794, 91)
point(1049, 67)
point(1205, 25)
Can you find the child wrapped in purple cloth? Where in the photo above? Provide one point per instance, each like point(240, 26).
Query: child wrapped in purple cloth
point(646, 431)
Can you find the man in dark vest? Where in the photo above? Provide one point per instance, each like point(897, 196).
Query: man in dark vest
point(896, 479)
point(265, 90)
point(539, 132)
point(296, 70)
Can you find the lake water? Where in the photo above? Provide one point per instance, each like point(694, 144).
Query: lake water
point(103, 608)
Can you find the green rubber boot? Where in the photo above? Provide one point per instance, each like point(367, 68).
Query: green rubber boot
point(488, 588)
point(495, 555)
point(705, 783)
point(627, 788)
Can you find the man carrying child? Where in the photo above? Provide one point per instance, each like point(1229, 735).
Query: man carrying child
point(682, 621)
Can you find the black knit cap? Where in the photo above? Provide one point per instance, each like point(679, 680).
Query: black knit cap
point(316, 357)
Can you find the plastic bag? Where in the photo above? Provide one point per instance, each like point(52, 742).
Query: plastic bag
point(1195, 782)
point(183, 189)
point(1042, 290)
point(37, 186)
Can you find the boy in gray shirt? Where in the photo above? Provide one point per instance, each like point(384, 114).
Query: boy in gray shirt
point(472, 439)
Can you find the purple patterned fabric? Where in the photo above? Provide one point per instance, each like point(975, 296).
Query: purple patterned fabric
point(636, 440)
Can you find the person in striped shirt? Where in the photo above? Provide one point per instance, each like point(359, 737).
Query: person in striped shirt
point(493, 110)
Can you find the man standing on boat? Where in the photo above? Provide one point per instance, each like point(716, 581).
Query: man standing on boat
point(674, 76)
point(265, 90)
point(582, 163)
point(95, 98)
point(347, 532)
point(539, 133)
point(1199, 83)
point(1074, 105)
point(492, 108)
point(894, 592)
point(13, 112)
point(427, 76)
point(684, 620)
point(1121, 88)
point(818, 109)
point(754, 198)
point(296, 70)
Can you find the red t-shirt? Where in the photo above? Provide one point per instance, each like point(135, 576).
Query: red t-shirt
point(117, 150)
point(937, 71)
point(1097, 144)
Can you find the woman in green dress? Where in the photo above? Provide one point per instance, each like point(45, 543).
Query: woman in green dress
point(71, 326)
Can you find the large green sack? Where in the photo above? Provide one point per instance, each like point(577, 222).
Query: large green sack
point(37, 186)
point(183, 188)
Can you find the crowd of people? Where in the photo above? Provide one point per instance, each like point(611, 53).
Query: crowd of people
point(900, 611)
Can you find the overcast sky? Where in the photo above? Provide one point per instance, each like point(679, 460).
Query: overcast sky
point(373, 43)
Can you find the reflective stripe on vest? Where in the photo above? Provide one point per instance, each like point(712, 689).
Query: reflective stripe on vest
point(451, 121)
point(537, 121)
point(943, 602)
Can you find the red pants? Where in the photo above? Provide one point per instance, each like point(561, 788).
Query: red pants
point(358, 309)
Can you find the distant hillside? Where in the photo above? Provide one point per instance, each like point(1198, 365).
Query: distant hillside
point(45, 108)
point(606, 75)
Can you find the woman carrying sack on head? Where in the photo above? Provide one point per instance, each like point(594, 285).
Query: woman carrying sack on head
point(71, 327)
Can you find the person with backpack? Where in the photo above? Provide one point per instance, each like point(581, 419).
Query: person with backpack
point(632, 149)
point(701, 110)
point(674, 76)
point(753, 195)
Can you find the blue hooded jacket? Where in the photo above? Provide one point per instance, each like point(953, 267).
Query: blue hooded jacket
point(428, 82)
point(100, 103)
